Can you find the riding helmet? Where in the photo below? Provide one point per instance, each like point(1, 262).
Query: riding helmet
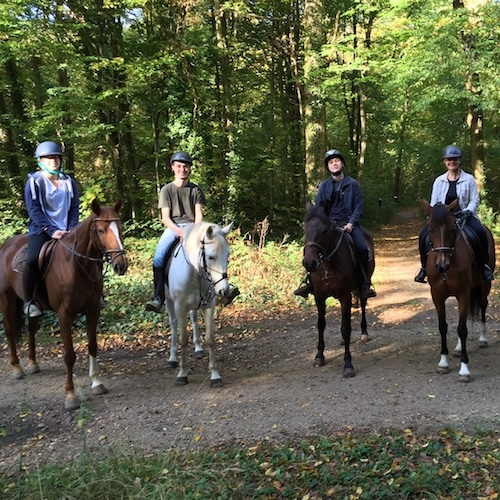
point(333, 153)
point(48, 148)
point(181, 156)
point(452, 151)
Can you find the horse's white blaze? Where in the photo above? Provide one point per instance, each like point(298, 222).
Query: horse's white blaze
point(114, 228)
point(443, 362)
point(94, 371)
point(464, 370)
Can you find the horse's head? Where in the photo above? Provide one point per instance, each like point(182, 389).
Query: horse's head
point(442, 232)
point(208, 251)
point(107, 235)
point(318, 231)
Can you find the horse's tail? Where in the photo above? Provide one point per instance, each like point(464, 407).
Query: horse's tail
point(475, 302)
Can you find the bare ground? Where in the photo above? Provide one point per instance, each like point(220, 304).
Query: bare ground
point(271, 390)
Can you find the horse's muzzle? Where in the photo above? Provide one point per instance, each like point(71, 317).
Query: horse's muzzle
point(310, 265)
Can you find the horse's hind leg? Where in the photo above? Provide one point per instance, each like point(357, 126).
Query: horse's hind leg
point(33, 324)
point(198, 349)
point(12, 321)
point(364, 326)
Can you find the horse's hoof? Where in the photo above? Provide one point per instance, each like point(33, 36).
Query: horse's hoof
point(32, 369)
point(483, 344)
point(349, 373)
point(319, 362)
point(172, 364)
point(216, 383)
point(199, 354)
point(364, 338)
point(465, 379)
point(443, 370)
point(99, 390)
point(181, 381)
point(17, 373)
point(71, 404)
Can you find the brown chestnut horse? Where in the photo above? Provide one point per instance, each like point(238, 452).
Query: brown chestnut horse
point(70, 283)
point(330, 259)
point(453, 272)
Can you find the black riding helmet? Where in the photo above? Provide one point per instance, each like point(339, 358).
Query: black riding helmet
point(333, 153)
point(181, 156)
point(452, 151)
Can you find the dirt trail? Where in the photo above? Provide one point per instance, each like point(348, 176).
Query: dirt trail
point(271, 390)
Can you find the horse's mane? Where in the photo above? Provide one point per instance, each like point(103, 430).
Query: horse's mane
point(316, 211)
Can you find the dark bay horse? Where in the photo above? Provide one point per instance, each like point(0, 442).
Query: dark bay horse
point(71, 283)
point(329, 257)
point(453, 272)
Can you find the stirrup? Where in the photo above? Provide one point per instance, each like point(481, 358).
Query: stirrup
point(304, 290)
point(155, 304)
point(32, 310)
point(487, 273)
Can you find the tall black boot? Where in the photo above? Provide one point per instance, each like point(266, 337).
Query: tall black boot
point(156, 303)
point(424, 246)
point(30, 279)
point(366, 285)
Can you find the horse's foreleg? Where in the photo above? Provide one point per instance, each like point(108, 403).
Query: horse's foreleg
point(65, 323)
point(345, 305)
point(319, 360)
point(182, 376)
point(198, 350)
point(172, 318)
point(463, 373)
point(33, 324)
point(483, 341)
point(97, 387)
point(208, 317)
point(443, 366)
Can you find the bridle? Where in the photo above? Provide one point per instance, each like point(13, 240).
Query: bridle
point(108, 255)
point(321, 251)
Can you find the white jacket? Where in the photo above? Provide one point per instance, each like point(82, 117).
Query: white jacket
point(467, 193)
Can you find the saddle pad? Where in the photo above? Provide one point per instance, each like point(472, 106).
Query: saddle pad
point(19, 261)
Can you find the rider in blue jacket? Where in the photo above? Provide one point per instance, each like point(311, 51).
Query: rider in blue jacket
point(52, 202)
point(342, 197)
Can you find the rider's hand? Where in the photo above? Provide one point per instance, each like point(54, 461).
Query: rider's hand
point(57, 235)
point(348, 228)
point(465, 214)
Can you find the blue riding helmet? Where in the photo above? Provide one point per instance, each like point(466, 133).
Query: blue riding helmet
point(333, 153)
point(452, 151)
point(48, 148)
point(181, 156)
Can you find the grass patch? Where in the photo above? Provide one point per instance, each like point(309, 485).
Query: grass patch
point(448, 464)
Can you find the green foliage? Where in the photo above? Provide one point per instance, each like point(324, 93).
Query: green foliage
point(13, 220)
point(446, 464)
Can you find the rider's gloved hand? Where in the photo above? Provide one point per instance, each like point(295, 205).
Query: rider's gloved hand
point(465, 214)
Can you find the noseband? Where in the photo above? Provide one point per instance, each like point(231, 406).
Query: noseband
point(206, 268)
point(109, 255)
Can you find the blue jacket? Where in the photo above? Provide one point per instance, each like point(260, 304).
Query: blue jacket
point(35, 196)
point(350, 194)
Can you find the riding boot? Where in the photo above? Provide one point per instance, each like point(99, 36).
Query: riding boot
point(156, 303)
point(30, 279)
point(423, 243)
point(367, 289)
point(305, 288)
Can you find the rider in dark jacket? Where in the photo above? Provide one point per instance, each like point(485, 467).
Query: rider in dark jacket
point(342, 198)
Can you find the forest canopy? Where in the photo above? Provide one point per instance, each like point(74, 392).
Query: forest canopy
point(256, 92)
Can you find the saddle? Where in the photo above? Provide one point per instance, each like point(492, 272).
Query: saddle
point(44, 257)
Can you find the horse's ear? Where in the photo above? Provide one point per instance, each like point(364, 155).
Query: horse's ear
point(96, 206)
point(426, 205)
point(210, 232)
point(227, 228)
point(118, 206)
point(453, 205)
